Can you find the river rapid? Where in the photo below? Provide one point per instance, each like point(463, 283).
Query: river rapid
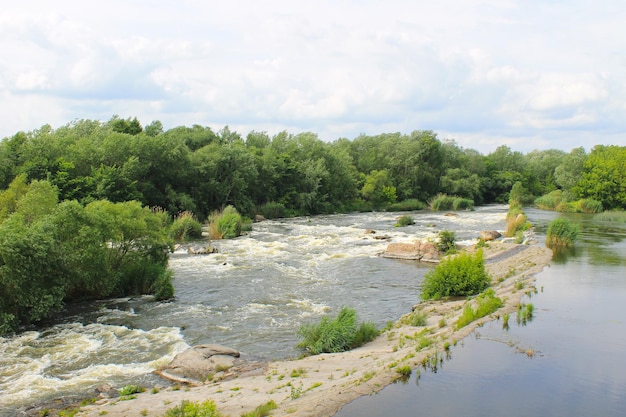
point(252, 296)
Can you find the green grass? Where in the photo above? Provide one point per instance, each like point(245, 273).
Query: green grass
point(614, 216)
point(262, 411)
point(404, 221)
point(486, 303)
point(443, 202)
point(561, 233)
point(416, 318)
point(194, 409)
point(407, 205)
point(525, 313)
point(336, 335)
point(404, 370)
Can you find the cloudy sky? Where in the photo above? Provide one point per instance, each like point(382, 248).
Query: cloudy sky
point(530, 74)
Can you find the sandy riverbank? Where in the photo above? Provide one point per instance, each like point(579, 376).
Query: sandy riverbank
point(320, 385)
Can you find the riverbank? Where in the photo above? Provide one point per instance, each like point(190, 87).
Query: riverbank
point(320, 385)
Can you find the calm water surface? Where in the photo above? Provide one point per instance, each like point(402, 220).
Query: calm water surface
point(578, 336)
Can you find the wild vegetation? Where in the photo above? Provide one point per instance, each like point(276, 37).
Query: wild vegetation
point(486, 303)
point(561, 233)
point(460, 275)
point(336, 335)
point(90, 209)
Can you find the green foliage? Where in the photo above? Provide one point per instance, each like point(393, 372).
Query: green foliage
point(460, 275)
point(64, 252)
point(262, 410)
point(603, 176)
point(416, 318)
point(194, 409)
point(557, 201)
point(404, 370)
point(273, 210)
point(518, 195)
point(561, 233)
point(412, 204)
point(446, 242)
point(226, 224)
point(185, 226)
point(378, 188)
point(130, 390)
point(516, 222)
point(404, 221)
point(486, 303)
point(443, 202)
point(336, 335)
point(525, 313)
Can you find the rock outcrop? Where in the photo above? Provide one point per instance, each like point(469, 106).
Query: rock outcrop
point(199, 363)
point(420, 251)
point(488, 235)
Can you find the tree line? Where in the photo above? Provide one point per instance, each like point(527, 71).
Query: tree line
point(85, 208)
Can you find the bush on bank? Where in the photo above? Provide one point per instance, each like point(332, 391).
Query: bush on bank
point(460, 275)
point(561, 233)
point(336, 335)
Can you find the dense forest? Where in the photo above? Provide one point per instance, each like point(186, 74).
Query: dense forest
point(85, 208)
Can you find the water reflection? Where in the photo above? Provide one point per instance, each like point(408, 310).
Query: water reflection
point(565, 357)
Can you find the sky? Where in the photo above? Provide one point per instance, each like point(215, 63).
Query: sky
point(528, 74)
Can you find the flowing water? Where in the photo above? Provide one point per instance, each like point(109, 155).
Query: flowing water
point(252, 296)
point(568, 361)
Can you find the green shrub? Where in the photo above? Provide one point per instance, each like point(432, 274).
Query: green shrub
point(226, 224)
point(446, 242)
point(486, 303)
point(272, 210)
point(561, 233)
point(263, 410)
point(194, 409)
point(588, 205)
point(550, 201)
point(443, 202)
point(460, 203)
point(411, 204)
point(404, 221)
point(185, 226)
point(338, 335)
point(130, 390)
point(461, 275)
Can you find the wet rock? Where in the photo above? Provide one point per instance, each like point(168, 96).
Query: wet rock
point(259, 218)
point(204, 250)
point(488, 235)
point(199, 363)
point(370, 231)
point(419, 251)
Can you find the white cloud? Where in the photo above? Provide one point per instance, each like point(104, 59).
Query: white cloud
point(525, 73)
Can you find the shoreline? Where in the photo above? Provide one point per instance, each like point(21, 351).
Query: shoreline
point(321, 385)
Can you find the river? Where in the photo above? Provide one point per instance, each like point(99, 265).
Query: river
point(567, 361)
point(252, 296)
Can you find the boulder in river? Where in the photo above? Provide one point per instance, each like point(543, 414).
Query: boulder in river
point(488, 235)
point(420, 251)
point(199, 363)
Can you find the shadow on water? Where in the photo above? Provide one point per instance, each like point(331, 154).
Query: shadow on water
point(563, 357)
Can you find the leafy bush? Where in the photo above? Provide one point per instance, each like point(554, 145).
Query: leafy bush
point(185, 226)
point(561, 232)
point(194, 409)
point(461, 275)
point(338, 335)
point(486, 303)
point(273, 210)
point(588, 205)
point(404, 221)
point(411, 204)
point(443, 202)
point(226, 224)
point(446, 242)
